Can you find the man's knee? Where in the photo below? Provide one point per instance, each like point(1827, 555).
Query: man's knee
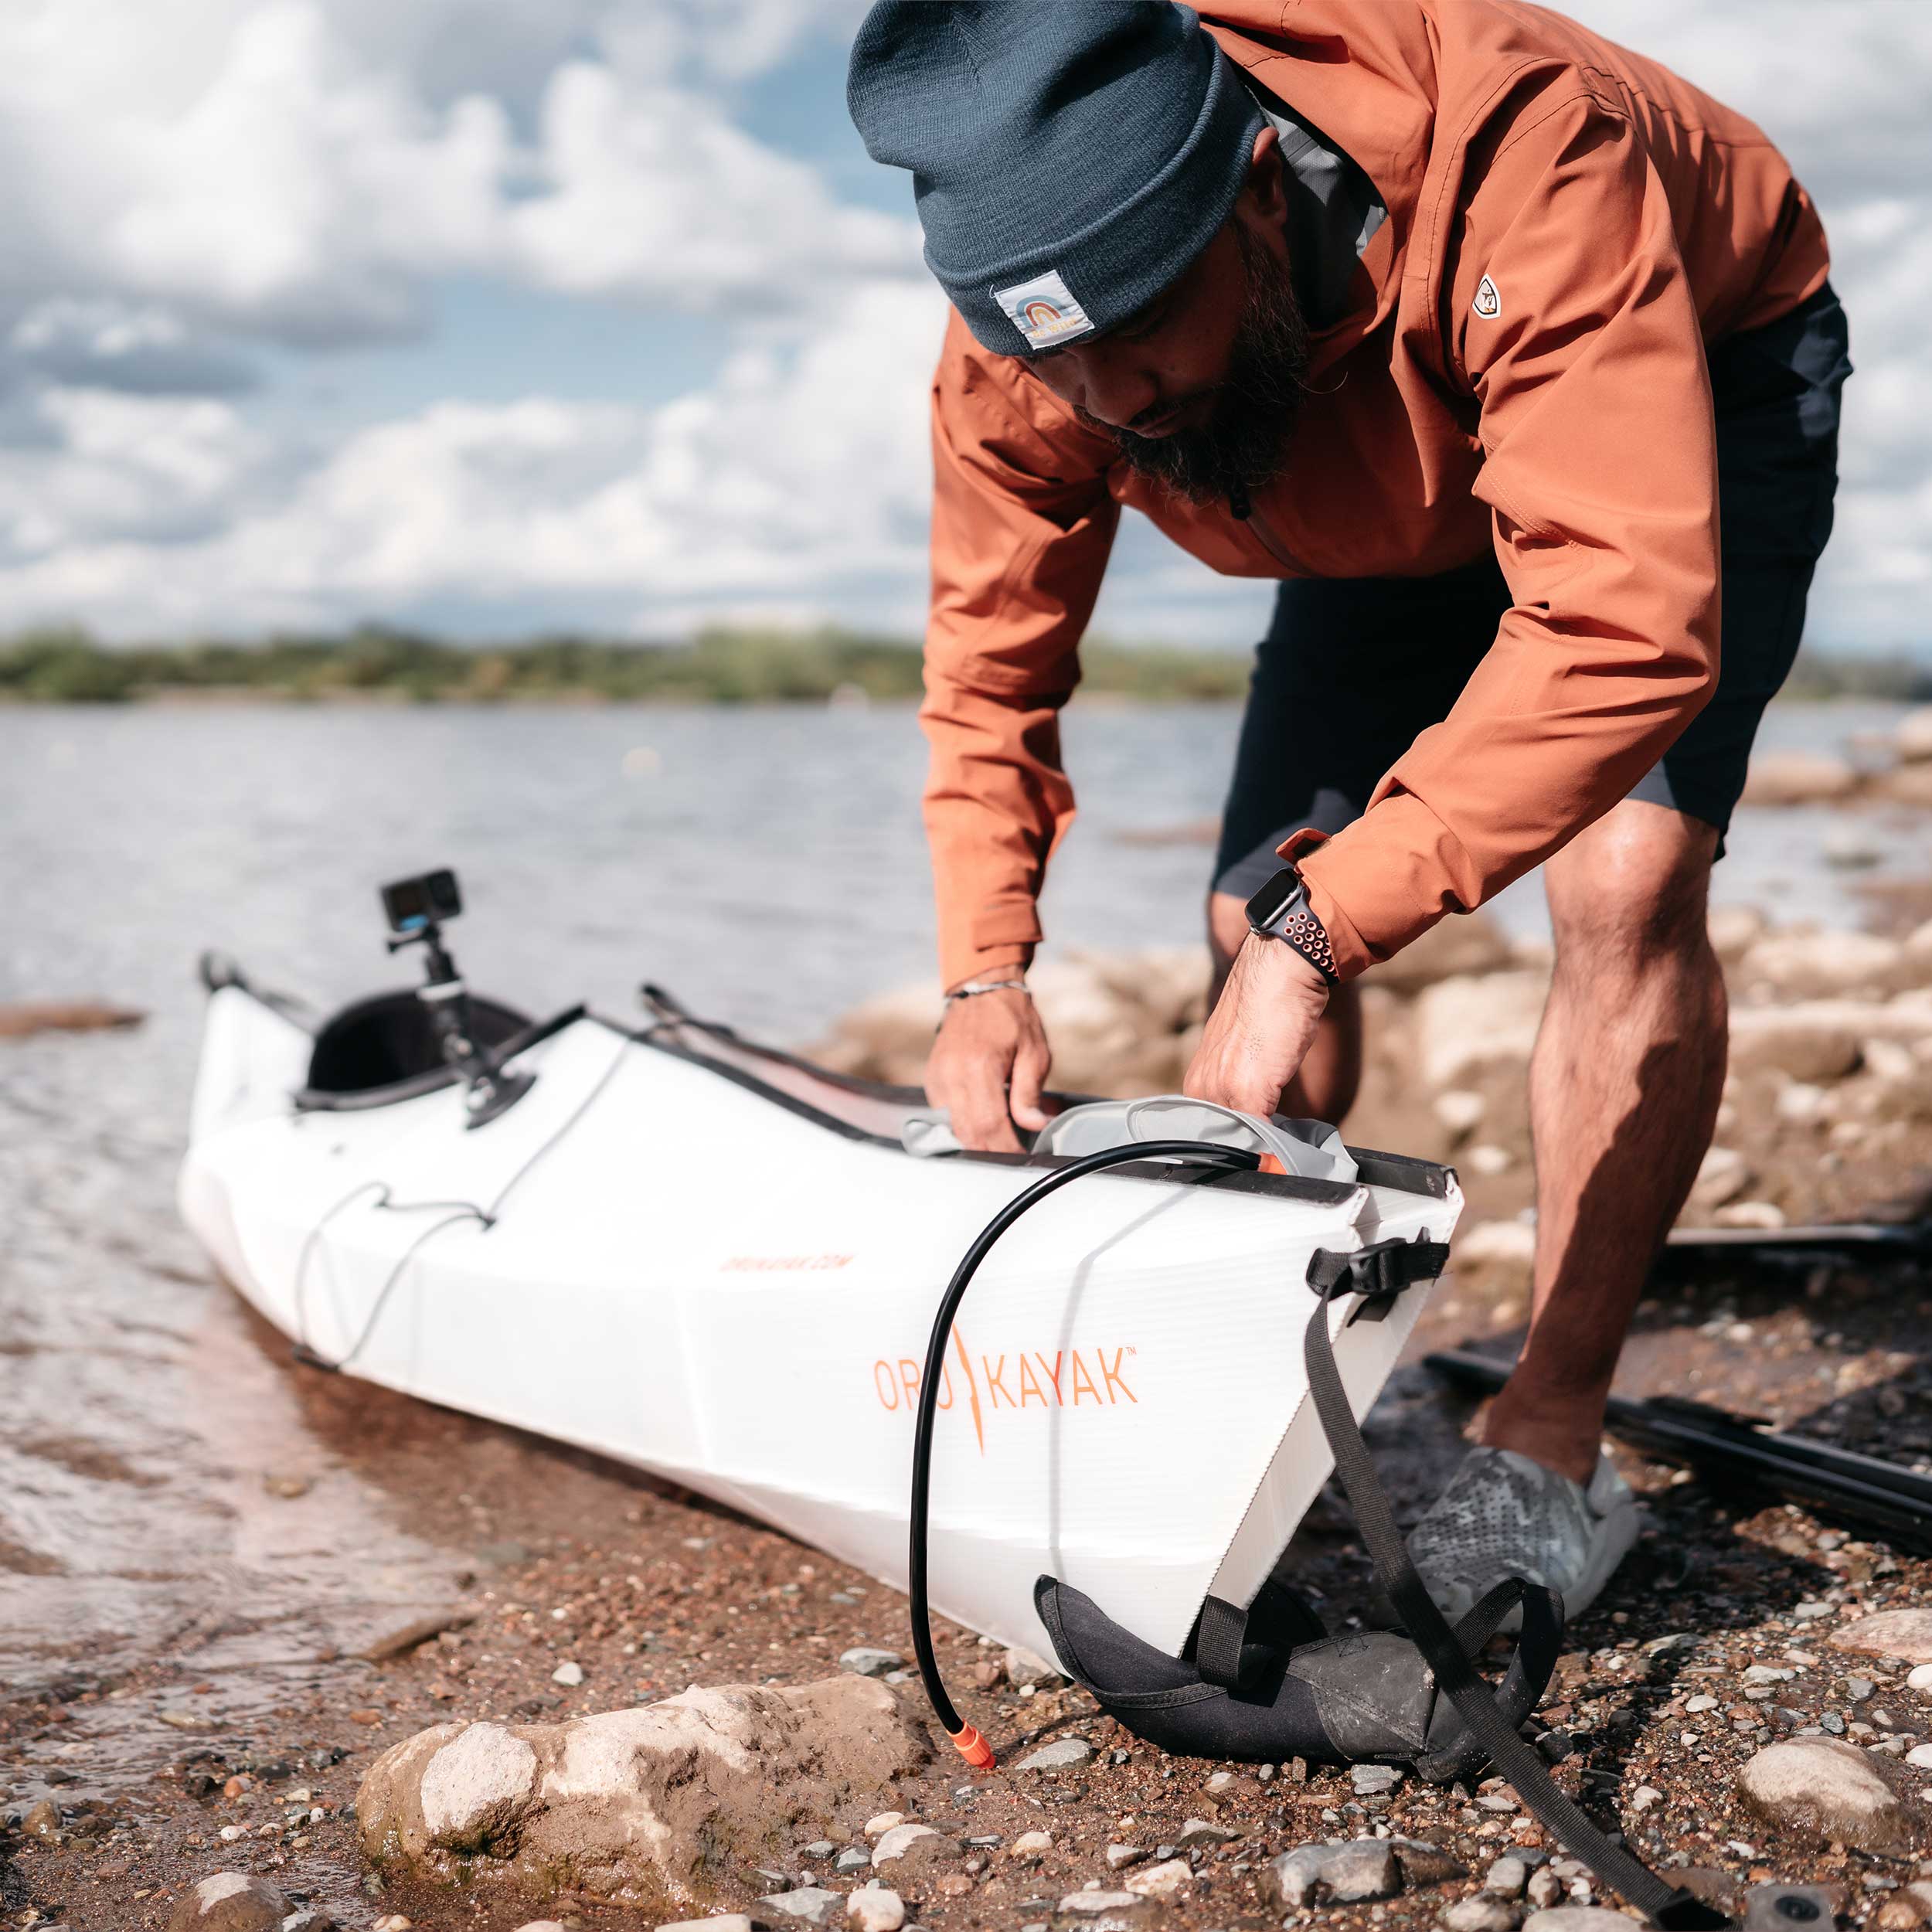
point(1633, 889)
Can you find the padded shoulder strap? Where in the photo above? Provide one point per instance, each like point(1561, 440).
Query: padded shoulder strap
point(1676, 1909)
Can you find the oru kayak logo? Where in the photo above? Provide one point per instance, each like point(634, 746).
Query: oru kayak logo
point(1017, 1379)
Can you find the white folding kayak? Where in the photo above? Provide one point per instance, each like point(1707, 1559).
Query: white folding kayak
point(715, 1261)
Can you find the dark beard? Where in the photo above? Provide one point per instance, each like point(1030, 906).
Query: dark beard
point(1243, 446)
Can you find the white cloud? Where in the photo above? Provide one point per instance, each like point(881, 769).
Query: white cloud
point(796, 477)
point(280, 168)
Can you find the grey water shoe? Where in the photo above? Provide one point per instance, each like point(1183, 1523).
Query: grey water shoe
point(1503, 1515)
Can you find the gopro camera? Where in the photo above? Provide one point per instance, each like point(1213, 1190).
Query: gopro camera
point(412, 906)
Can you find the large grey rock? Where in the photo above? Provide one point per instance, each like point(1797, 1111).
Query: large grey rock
point(913, 1847)
point(1422, 1863)
point(230, 1902)
point(1162, 1882)
point(1364, 1869)
point(1102, 1911)
point(1912, 737)
point(1796, 778)
point(1464, 1024)
point(875, 1908)
point(1061, 1755)
point(661, 1800)
point(812, 1903)
point(871, 1663)
point(1764, 1910)
point(1903, 1633)
point(1485, 1912)
point(1824, 963)
point(1819, 1790)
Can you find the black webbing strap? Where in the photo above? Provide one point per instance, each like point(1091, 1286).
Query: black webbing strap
point(1663, 1905)
point(1223, 1629)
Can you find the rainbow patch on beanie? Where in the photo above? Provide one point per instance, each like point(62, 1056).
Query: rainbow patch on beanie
point(1044, 311)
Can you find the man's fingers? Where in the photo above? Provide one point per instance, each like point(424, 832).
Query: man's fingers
point(1030, 1067)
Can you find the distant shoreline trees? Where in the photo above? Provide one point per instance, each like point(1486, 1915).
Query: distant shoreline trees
point(720, 665)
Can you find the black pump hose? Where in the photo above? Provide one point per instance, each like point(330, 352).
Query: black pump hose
point(966, 1740)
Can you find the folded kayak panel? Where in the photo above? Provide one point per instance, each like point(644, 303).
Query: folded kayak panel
point(717, 1264)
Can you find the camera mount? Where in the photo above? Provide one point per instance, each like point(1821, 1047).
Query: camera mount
point(416, 909)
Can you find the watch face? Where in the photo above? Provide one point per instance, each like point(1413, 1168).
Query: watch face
point(1265, 909)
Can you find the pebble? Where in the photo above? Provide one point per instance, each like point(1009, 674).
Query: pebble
point(875, 1908)
point(852, 1859)
point(811, 1902)
point(1483, 1912)
point(1824, 1791)
point(1061, 1755)
point(1921, 1756)
point(1920, 1677)
point(1162, 1882)
point(883, 1823)
point(1031, 1845)
point(724, 1922)
point(1370, 1780)
point(568, 1673)
point(821, 1848)
point(1544, 1887)
point(393, 1922)
point(1577, 1918)
point(1706, 1703)
point(871, 1663)
point(1119, 1857)
point(1753, 1674)
point(1346, 1874)
point(1508, 1876)
point(1643, 1798)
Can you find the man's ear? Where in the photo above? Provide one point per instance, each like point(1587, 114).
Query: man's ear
point(1265, 188)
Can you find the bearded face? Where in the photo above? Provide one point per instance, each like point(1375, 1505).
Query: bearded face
point(1241, 441)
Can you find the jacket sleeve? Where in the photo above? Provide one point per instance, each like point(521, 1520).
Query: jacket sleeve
point(1600, 469)
point(1022, 524)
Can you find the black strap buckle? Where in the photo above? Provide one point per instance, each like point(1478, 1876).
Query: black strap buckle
point(1377, 1272)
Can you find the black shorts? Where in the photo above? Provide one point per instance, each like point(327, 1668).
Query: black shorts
point(1353, 669)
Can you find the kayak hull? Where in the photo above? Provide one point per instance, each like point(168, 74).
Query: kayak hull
point(718, 1264)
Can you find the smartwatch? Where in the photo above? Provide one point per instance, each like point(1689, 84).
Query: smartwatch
point(1280, 910)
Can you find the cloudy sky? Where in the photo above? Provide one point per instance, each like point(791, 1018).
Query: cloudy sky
point(486, 315)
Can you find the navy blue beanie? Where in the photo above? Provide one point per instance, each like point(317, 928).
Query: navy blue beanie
point(1069, 158)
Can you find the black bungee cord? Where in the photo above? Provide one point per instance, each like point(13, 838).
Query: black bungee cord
point(966, 1739)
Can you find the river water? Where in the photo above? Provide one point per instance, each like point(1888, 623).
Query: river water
point(767, 865)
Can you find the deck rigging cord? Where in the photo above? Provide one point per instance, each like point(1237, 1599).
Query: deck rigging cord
point(1375, 1274)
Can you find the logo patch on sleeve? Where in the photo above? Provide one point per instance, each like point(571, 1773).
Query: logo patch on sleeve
point(1489, 303)
point(1044, 311)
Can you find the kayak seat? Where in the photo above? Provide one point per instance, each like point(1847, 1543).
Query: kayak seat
point(385, 1048)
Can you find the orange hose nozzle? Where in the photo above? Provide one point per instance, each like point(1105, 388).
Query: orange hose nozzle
point(974, 1748)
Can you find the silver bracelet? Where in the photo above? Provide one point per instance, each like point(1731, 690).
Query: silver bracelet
point(976, 986)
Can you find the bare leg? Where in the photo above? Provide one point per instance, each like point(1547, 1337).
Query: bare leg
point(1331, 1077)
point(1624, 1090)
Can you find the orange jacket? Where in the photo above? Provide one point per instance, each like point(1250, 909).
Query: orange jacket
point(1626, 219)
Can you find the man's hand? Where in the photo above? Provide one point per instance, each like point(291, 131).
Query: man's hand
point(987, 1068)
point(1261, 1029)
